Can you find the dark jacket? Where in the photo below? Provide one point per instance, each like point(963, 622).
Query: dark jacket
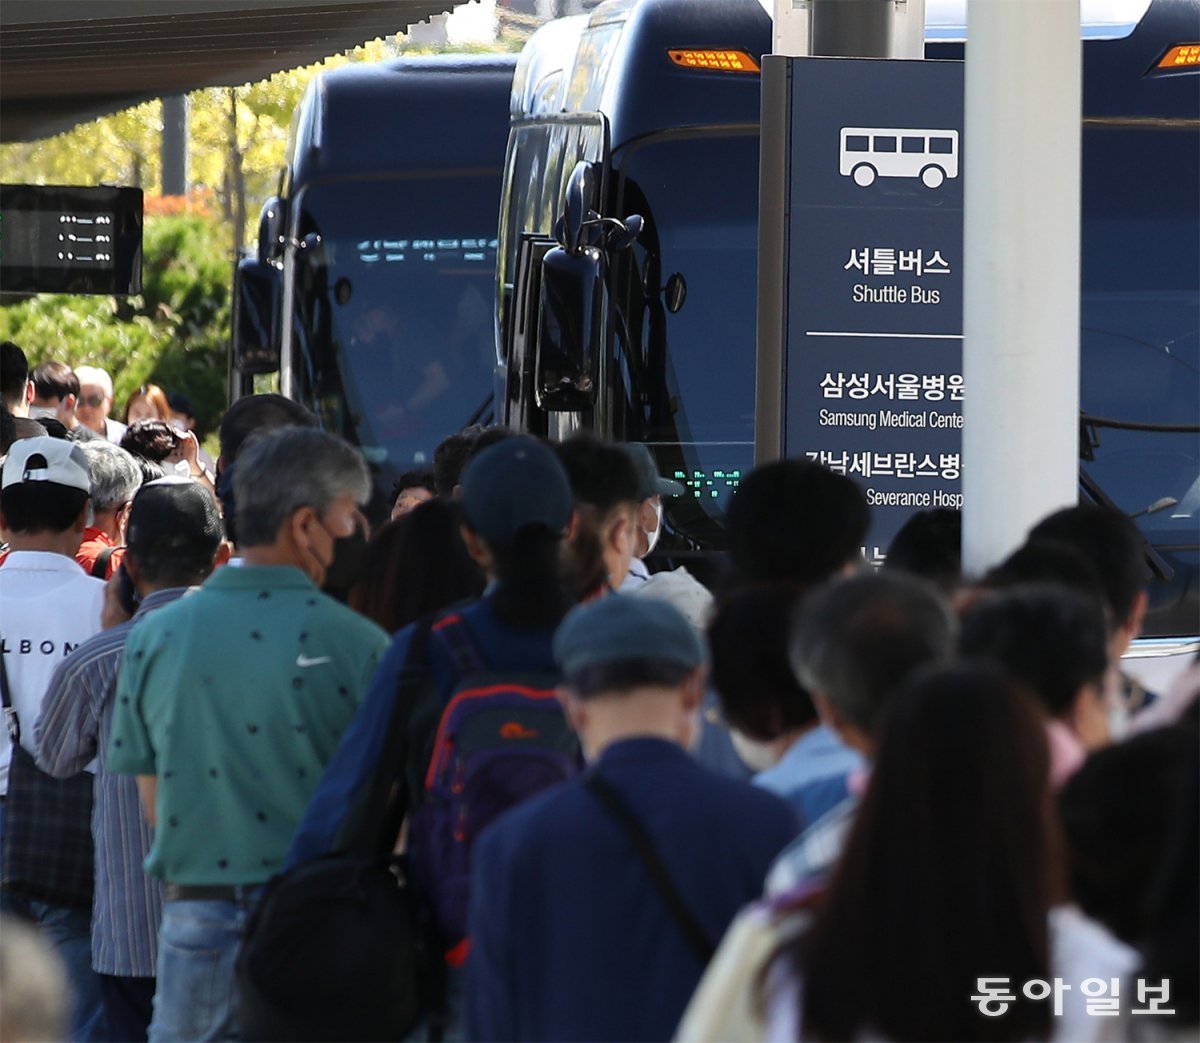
point(569, 938)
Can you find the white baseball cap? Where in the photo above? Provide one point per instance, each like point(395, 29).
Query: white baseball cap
point(46, 459)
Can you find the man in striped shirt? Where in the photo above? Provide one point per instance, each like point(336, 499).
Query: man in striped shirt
point(173, 542)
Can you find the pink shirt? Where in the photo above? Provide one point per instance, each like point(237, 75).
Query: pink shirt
point(1067, 753)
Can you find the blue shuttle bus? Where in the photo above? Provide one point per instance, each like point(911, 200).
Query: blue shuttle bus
point(652, 109)
point(371, 290)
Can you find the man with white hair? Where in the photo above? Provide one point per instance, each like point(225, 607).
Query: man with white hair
point(115, 478)
point(95, 402)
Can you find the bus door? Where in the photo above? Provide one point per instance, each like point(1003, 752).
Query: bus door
point(689, 307)
point(542, 154)
point(519, 410)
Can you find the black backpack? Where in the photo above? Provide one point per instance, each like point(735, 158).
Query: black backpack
point(337, 947)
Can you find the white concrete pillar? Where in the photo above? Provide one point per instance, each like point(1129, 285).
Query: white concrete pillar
point(1021, 270)
point(848, 28)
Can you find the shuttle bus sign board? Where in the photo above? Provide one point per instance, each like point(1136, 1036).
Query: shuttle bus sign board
point(861, 265)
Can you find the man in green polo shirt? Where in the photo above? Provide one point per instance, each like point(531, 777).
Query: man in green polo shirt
point(229, 704)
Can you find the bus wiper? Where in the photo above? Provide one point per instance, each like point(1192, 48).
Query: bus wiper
point(1089, 425)
point(1158, 564)
point(1158, 505)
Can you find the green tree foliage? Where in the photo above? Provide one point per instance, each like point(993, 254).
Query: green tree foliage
point(174, 335)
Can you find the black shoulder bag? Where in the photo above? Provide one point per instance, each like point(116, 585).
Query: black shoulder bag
point(336, 947)
point(100, 565)
point(48, 855)
point(697, 939)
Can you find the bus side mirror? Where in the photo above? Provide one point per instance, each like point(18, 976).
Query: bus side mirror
point(570, 330)
point(582, 190)
point(270, 230)
point(255, 345)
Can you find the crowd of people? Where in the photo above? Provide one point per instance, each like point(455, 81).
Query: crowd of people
point(820, 801)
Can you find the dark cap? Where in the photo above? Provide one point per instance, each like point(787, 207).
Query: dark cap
point(180, 403)
point(650, 482)
point(173, 513)
point(515, 483)
point(622, 628)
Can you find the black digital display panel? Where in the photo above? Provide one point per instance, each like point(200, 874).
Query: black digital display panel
point(60, 239)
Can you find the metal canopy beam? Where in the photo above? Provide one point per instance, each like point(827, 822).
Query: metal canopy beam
point(66, 61)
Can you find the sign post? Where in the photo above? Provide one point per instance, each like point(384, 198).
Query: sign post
point(860, 274)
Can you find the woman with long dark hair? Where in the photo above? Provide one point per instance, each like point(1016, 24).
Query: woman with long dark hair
point(948, 899)
point(416, 564)
point(949, 875)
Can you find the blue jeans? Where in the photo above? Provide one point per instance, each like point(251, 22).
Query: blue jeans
point(197, 947)
point(69, 931)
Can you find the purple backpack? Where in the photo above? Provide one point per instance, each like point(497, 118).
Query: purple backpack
point(502, 738)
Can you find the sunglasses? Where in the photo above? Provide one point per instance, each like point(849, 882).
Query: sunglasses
point(95, 401)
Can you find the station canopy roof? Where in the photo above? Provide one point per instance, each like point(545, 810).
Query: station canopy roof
point(63, 62)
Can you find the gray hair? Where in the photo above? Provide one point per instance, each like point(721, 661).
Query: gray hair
point(116, 475)
point(279, 471)
point(96, 376)
point(858, 639)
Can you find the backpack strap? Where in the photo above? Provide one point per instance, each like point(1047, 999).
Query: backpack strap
point(466, 657)
point(376, 822)
point(695, 935)
point(100, 565)
point(11, 721)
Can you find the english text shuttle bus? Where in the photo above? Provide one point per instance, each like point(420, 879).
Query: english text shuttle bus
point(660, 99)
point(371, 291)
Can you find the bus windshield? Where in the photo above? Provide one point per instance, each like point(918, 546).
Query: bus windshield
point(706, 229)
point(1140, 320)
point(403, 314)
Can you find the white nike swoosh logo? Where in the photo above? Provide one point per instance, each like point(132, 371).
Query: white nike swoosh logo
point(303, 660)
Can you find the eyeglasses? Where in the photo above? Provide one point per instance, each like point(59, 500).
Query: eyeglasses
point(95, 401)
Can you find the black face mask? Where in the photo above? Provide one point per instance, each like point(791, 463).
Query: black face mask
point(225, 495)
point(349, 564)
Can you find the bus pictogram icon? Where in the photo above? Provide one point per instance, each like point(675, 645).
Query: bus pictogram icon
point(868, 153)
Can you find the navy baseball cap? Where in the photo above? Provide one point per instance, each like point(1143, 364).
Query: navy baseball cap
point(623, 628)
point(650, 482)
point(513, 484)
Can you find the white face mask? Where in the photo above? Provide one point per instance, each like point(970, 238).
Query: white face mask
point(1118, 722)
point(1115, 707)
point(652, 536)
point(757, 756)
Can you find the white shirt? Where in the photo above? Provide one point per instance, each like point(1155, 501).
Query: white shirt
point(114, 430)
point(48, 607)
point(635, 577)
point(1080, 948)
point(726, 1004)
